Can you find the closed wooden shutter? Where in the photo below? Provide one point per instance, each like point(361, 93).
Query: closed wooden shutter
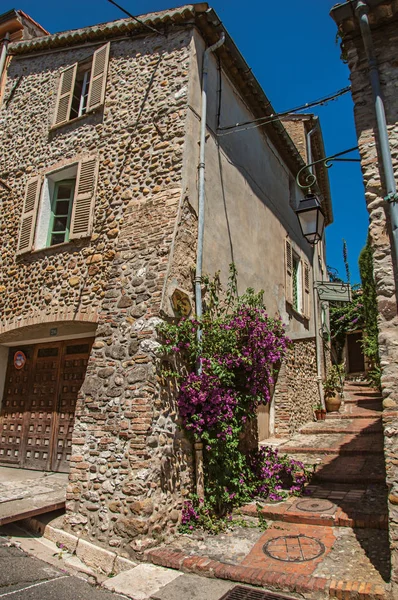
point(288, 271)
point(65, 95)
point(83, 202)
point(306, 291)
point(96, 91)
point(29, 215)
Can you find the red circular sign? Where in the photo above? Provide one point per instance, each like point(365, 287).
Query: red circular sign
point(19, 359)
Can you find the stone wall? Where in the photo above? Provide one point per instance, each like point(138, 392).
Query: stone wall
point(296, 388)
point(386, 46)
point(131, 465)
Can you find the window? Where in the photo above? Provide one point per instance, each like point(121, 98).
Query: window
point(59, 206)
point(82, 87)
point(297, 281)
point(296, 275)
point(61, 209)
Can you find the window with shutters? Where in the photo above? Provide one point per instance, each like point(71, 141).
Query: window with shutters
point(81, 87)
point(297, 281)
point(58, 207)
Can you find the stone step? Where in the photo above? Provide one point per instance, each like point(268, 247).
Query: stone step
point(336, 425)
point(334, 469)
point(334, 443)
point(313, 511)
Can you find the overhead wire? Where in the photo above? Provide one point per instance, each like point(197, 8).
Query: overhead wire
point(276, 117)
point(126, 12)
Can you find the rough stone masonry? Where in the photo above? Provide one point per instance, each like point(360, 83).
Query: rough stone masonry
point(131, 465)
point(385, 39)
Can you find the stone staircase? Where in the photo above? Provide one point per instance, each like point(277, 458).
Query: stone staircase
point(331, 543)
point(347, 494)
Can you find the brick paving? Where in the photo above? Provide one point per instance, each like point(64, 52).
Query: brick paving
point(333, 543)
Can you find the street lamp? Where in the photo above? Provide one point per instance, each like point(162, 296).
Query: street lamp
point(311, 218)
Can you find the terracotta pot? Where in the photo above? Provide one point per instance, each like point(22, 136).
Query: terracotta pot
point(320, 414)
point(333, 403)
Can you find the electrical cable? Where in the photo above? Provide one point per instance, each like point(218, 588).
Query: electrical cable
point(126, 12)
point(275, 117)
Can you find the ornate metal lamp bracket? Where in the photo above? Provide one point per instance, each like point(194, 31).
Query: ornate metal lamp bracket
point(306, 181)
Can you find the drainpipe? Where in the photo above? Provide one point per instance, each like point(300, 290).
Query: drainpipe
point(362, 11)
point(201, 184)
point(199, 254)
point(318, 348)
point(3, 55)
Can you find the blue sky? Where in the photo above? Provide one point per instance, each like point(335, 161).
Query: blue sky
point(291, 47)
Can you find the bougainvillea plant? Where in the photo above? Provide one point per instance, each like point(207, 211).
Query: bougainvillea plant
point(239, 353)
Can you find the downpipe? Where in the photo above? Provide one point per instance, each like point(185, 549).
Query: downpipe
point(199, 253)
point(362, 11)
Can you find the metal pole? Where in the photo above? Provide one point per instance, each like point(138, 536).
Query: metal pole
point(318, 348)
point(201, 187)
point(362, 11)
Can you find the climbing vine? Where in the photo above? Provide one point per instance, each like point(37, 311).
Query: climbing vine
point(371, 330)
point(239, 353)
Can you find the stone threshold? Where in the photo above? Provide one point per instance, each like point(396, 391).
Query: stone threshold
point(271, 580)
point(287, 514)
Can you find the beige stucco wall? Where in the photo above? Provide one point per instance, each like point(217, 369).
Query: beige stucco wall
point(248, 192)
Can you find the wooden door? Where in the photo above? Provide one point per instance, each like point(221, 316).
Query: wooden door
point(13, 408)
point(39, 403)
point(42, 405)
point(356, 360)
point(263, 421)
point(74, 361)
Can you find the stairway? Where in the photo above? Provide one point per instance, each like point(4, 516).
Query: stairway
point(331, 543)
point(347, 493)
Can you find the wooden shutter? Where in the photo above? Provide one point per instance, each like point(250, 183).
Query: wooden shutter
point(306, 290)
point(83, 202)
point(96, 90)
point(288, 271)
point(29, 216)
point(65, 95)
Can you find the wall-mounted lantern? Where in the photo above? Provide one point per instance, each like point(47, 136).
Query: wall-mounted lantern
point(311, 218)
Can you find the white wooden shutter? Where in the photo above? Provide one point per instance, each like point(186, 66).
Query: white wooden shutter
point(288, 271)
point(83, 202)
point(65, 95)
point(306, 290)
point(96, 90)
point(29, 215)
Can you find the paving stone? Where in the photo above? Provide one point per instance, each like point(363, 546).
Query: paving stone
point(141, 582)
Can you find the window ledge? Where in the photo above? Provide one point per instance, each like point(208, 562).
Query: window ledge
point(76, 119)
point(65, 245)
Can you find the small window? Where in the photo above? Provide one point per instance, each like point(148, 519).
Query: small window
point(80, 92)
point(58, 207)
point(81, 87)
point(297, 284)
point(61, 210)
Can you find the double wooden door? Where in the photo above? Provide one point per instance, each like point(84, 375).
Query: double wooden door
point(39, 401)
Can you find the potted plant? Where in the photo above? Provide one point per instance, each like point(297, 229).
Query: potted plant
point(320, 412)
point(332, 387)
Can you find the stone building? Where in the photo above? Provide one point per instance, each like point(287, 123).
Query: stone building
point(374, 79)
point(99, 132)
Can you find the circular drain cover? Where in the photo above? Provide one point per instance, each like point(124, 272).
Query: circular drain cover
point(294, 548)
point(315, 505)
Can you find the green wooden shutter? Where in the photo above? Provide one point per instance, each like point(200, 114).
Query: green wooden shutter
point(83, 202)
point(306, 290)
point(288, 271)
